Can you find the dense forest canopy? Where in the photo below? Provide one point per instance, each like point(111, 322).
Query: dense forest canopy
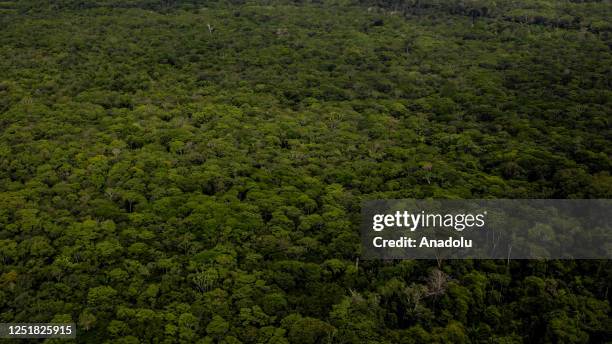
point(192, 171)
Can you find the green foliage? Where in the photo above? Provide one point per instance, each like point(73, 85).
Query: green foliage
point(192, 171)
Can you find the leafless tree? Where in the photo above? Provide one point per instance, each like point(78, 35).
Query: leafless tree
point(436, 283)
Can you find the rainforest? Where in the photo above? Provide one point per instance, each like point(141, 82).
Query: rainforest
point(193, 171)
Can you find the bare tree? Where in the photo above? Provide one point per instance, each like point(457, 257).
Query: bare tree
point(436, 283)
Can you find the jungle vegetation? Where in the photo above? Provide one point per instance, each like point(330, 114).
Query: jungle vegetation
point(192, 171)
